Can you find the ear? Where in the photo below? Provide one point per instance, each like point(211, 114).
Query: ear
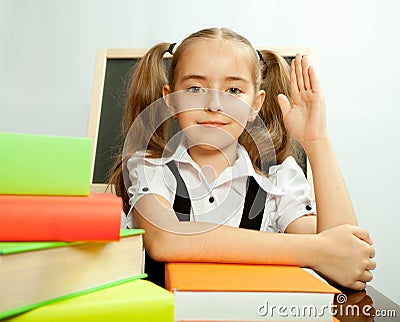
point(257, 105)
point(168, 101)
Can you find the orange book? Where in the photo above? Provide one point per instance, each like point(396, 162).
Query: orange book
point(96, 217)
point(240, 292)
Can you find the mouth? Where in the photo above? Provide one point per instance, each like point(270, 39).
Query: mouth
point(212, 123)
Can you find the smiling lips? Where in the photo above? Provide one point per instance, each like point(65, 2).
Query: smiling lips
point(212, 123)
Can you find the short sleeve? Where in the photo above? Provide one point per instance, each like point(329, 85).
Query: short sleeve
point(149, 176)
point(296, 201)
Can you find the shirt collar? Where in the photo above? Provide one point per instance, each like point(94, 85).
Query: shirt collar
point(242, 167)
point(245, 168)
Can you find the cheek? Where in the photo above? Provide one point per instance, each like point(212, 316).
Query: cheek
point(187, 118)
point(239, 113)
point(236, 131)
point(240, 116)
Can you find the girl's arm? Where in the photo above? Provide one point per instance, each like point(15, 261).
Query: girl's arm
point(305, 119)
point(339, 254)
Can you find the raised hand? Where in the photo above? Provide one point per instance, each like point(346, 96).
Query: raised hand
point(304, 116)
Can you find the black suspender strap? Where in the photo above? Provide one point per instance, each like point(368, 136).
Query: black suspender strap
point(182, 202)
point(155, 270)
point(254, 205)
point(253, 211)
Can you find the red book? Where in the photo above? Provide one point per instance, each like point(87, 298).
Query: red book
point(96, 217)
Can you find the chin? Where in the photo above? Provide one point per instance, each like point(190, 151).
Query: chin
point(215, 139)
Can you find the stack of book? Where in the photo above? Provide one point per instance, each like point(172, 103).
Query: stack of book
point(63, 255)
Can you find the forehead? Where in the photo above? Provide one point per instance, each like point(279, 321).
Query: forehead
point(215, 59)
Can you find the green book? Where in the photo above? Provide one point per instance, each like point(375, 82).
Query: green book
point(34, 274)
point(44, 165)
point(137, 300)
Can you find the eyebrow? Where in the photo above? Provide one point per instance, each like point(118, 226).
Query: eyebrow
point(193, 76)
point(202, 77)
point(237, 78)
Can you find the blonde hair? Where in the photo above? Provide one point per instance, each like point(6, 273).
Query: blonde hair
point(270, 72)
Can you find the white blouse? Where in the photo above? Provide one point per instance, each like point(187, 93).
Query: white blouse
point(222, 201)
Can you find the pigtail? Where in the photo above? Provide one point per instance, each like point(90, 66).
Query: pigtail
point(146, 84)
point(275, 80)
point(145, 87)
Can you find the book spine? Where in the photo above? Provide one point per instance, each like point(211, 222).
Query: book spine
point(96, 217)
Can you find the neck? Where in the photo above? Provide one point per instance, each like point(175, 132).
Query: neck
point(213, 161)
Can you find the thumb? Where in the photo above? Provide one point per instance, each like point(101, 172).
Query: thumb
point(284, 104)
point(362, 234)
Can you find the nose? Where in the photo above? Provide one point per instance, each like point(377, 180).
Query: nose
point(214, 101)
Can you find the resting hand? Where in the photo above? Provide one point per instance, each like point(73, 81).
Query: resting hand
point(304, 117)
point(345, 256)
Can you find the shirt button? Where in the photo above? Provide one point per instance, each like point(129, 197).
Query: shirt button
point(308, 207)
point(145, 189)
point(211, 199)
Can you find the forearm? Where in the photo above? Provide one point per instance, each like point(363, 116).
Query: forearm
point(340, 253)
point(168, 239)
point(333, 202)
point(204, 242)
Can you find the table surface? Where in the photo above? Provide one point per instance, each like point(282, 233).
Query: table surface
point(368, 305)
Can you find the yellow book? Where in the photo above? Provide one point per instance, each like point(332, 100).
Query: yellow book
point(138, 300)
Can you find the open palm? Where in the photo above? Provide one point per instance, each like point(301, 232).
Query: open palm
point(304, 117)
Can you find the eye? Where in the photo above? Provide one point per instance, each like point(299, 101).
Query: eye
point(234, 91)
point(196, 90)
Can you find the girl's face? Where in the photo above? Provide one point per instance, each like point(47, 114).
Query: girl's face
point(214, 94)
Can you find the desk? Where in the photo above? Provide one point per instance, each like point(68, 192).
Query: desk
point(368, 305)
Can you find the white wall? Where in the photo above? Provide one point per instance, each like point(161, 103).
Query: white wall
point(47, 61)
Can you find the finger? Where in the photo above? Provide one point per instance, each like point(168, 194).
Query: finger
point(362, 234)
point(314, 82)
point(284, 104)
point(358, 285)
point(299, 72)
point(372, 253)
point(366, 276)
point(293, 79)
point(371, 265)
point(305, 65)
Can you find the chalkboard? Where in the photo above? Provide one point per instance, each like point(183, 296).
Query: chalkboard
point(112, 73)
point(108, 138)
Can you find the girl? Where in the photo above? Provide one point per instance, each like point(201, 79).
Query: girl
point(218, 171)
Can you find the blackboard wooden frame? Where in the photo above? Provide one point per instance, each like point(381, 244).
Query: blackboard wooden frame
point(104, 58)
